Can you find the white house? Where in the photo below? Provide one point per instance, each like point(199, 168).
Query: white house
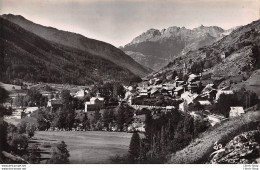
point(188, 97)
point(170, 107)
point(143, 92)
point(236, 111)
point(31, 109)
point(204, 102)
point(215, 119)
point(94, 103)
point(223, 55)
point(192, 77)
point(81, 93)
point(223, 92)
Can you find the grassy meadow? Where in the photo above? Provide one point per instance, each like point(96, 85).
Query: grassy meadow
point(86, 147)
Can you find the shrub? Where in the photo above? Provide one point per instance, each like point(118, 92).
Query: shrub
point(60, 154)
point(30, 129)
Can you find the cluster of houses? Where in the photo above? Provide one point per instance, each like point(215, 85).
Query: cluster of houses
point(153, 94)
point(179, 95)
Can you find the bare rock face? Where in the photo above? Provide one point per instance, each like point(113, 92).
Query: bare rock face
point(243, 149)
point(167, 44)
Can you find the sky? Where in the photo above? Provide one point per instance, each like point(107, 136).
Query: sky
point(119, 21)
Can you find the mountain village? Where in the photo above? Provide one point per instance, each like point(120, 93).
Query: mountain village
point(172, 96)
point(151, 94)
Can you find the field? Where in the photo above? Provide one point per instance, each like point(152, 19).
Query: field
point(10, 87)
point(90, 146)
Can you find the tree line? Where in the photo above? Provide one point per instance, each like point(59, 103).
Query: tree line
point(164, 135)
point(15, 140)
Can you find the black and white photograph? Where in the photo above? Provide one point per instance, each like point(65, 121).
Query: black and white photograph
point(91, 82)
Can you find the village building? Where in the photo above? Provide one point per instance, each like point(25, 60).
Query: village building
point(81, 93)
point(215, 119)
point(157, 82)
point(223, 91)
point(95, 103)
point(155, 93)
point(204, 83)
point(192, 87)
point(166, 92)
point(54, 104)
point(169, 108)
point(178, 91)
point(193, 77)
point(194, 114)
point(189, 97)
point(204, 102)
point(29, 110)
point(169, 88)
point(47, 94)
point(179, 83)
point(144, 92)
point(168, 85)
point(209, 92)
point(223, 55)
point(236, 111)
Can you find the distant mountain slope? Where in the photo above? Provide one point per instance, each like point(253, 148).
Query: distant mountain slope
point(230, 60)
point(78, 41)
point(32, 58)
point(149, 61)
point(173, 41)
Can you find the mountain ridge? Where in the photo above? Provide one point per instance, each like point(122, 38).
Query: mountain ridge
point(229, 61)
point(32, 58)
point(81, 42)
point(153, 34)
point(167, 44)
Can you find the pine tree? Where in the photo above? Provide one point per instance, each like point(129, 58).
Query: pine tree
point(60, 154)
point(34, 155)
point(148, 126)
point(142, 153)
point(121, 118)
point(106, 119)
point(134, 147)
point(85, 121)
point(163, 142)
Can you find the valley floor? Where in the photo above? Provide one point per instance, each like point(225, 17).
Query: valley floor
point(88, 147)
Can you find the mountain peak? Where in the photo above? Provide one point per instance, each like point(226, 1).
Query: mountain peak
point(153, 32)
point(146, 36)
point(13, 16)
point(203, 27)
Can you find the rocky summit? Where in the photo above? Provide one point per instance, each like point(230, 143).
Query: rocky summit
point(165, 45)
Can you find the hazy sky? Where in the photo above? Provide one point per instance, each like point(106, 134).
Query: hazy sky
point(119, 21)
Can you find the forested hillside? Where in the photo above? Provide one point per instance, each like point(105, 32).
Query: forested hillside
point(73, 40)
point(31, 58)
